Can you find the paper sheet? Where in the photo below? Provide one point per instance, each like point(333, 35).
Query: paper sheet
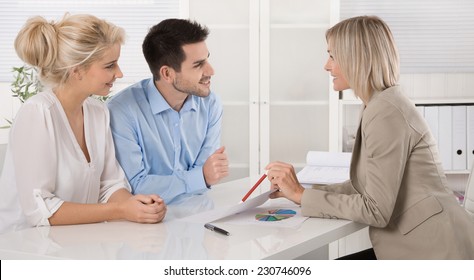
point(244, 213)
point(247, 217)
point(216, 214)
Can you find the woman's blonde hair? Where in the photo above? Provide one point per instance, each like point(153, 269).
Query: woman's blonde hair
point(366, 53)
point(55, 48)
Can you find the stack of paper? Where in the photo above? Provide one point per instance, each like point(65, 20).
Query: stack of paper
point(325, 168)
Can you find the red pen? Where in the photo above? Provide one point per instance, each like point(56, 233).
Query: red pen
point(254, 187)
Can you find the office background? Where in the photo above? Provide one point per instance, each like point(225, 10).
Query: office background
point(269, 57)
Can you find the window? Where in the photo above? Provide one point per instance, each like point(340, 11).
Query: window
point(136, 17)
point(432, 36)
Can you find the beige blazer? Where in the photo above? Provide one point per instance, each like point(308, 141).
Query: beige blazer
point(398, 187)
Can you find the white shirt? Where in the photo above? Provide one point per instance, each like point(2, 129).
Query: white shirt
point(45, 166)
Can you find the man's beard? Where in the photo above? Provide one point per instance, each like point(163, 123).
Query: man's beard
point(184, 87)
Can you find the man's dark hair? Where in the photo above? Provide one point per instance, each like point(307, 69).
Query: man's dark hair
point(163, 43)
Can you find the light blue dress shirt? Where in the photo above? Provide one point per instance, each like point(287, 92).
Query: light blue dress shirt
point(162, 151)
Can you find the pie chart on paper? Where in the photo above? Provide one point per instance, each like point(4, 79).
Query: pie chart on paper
point(275, 215)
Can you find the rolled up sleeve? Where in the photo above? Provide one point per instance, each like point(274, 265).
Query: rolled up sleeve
point(35, 163)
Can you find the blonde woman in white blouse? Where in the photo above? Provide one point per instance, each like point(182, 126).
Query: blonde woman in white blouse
point(60, 166)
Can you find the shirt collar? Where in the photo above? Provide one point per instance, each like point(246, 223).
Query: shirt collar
point(190, 104)
point(158, 104)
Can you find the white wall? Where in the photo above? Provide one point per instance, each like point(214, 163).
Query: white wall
point(6, 110)
point(5, 103)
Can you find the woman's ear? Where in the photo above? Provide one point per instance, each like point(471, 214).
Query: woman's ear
point(76, 73)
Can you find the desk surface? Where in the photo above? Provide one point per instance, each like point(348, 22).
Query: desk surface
point(176, 239)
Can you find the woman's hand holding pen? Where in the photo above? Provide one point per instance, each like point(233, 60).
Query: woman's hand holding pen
point(283, 178)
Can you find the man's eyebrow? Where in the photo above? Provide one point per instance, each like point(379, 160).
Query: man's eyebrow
point(196, 63)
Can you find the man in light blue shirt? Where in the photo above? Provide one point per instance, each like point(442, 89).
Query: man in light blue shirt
point(167, 129)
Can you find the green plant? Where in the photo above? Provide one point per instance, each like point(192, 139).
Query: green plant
point(101, 98)
point(25, 83)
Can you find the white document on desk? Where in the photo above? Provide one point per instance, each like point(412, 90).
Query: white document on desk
point(325, 168)
point(248, 217)
point(216, 214)
point(244, 213)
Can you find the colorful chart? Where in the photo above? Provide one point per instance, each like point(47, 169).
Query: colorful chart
point(275, 215)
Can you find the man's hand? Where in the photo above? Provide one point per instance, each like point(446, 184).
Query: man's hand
point(216, 167)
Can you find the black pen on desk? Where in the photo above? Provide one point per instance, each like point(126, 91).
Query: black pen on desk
point(217, 229)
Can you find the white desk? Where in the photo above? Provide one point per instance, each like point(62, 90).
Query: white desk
point(175, 239)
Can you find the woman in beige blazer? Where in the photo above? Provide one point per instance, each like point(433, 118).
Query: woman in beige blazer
point(397, 185)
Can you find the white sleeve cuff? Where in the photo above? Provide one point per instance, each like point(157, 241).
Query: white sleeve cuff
point(47, 205)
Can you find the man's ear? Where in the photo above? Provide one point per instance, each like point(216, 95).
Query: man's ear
point(167, 73)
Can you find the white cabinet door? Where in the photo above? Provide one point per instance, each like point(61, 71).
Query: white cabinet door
point(233, 46)
point(297, 93)
point(268, 58)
